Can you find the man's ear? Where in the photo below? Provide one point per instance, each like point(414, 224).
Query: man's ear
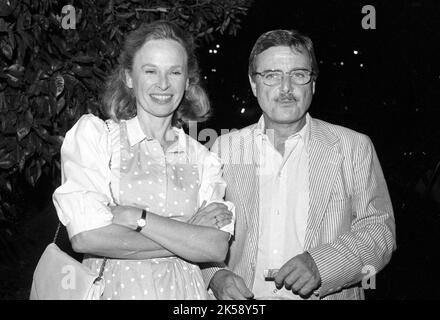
point(128, 79)
point(253, 85)
point(313, 86)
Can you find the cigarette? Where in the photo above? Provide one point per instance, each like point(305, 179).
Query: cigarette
point(270, 274)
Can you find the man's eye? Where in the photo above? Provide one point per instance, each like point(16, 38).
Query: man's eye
point(299, 74)
point(270, 76)
point(150, 71)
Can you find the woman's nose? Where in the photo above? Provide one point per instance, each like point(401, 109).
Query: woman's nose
point(163, 82)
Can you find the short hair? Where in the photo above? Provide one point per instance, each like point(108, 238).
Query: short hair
point(119, 101)
point(289, 38)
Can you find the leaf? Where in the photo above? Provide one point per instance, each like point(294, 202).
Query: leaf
point(16, 70)
point(42, 133)
point(5, 184)
point(34, 89)
point(82, 71)
point(6, 8)
point(6, 49)
point(57, 85)
point(125, 15)
point(7, 161)
point(23, 130)
point(3, 106)
point(108, 19)
point(84, 59)
point(42, 122)
point(60, 105)
point(29, 117)
point(11, 118)
point(29, 174)
point(13, 81)
point(3, 25)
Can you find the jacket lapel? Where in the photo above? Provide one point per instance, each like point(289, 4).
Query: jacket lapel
point(324, 163)
point(246, 177)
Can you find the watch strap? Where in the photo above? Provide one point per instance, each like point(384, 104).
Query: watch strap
point(143, 217)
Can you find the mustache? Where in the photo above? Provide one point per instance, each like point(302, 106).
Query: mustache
point(286, 96)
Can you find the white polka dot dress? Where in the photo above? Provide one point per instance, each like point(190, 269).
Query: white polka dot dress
point(168, 186)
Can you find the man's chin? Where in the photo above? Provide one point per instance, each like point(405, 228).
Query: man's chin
point(290, 118)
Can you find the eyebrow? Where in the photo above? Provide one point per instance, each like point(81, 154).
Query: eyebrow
point(278, 70)
point(154, 66)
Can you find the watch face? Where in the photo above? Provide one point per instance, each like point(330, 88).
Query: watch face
point(141, 222)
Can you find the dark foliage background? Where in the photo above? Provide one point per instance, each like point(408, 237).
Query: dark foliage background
point(50, 76)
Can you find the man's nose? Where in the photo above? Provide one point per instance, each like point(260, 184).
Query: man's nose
point(286, 83)
point(163, 82)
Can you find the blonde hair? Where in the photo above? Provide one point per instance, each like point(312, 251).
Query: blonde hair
point(119, 101)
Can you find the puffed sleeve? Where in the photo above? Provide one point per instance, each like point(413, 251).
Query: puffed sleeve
point(82, 199)
point(213, 186)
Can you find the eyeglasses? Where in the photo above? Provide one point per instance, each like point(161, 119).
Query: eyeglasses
point(274, 77)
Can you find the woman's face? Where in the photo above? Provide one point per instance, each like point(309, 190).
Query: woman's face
point(159, 77)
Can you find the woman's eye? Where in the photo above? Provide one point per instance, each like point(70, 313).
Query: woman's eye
point(176, 73)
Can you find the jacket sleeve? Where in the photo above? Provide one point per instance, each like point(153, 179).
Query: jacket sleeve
point(370, 242)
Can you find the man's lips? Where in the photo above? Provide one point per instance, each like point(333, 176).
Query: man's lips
point(286, 100)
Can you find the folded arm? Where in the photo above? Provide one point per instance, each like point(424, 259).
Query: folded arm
point(83, 204)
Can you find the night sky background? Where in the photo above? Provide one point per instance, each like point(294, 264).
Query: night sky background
point(384, 83)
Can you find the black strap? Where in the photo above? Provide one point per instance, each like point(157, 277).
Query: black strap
point(56, 232)
point(101, 270)
point(143, 217)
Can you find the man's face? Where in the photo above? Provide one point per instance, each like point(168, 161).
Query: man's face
point(287, 102)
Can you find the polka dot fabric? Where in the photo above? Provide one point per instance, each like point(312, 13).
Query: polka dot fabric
point(168, 185)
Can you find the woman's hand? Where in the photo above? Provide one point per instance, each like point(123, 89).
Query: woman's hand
point(126, 216)
point(215, 215)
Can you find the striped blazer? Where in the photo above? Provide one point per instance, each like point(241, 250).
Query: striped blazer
point(350, 228)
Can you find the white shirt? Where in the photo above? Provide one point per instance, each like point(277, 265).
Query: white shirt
point(284, 205)
point(89, 184)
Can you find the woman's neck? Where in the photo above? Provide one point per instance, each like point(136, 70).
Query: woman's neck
point(157, 128)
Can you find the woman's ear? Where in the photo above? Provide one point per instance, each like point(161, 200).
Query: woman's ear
point(187, 84)
point(128, 79)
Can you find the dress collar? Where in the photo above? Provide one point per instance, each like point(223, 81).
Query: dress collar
point(136, 134)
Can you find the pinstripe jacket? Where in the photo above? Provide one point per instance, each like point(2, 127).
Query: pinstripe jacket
point(350, 226)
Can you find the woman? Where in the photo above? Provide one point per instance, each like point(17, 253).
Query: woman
point(135, 186)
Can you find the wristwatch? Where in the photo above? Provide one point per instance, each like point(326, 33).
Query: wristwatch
point(142, 222)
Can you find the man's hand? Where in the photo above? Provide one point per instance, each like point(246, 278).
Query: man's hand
point(215, 215)
point(300, 274)
point(126, 216)
point(226, 285)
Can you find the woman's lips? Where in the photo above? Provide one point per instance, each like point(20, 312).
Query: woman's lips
point(161, 98)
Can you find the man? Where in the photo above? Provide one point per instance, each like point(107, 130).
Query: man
point(310, 196)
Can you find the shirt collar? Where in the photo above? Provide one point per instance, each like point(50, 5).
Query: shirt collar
point(136, 134)
point(304, 133)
